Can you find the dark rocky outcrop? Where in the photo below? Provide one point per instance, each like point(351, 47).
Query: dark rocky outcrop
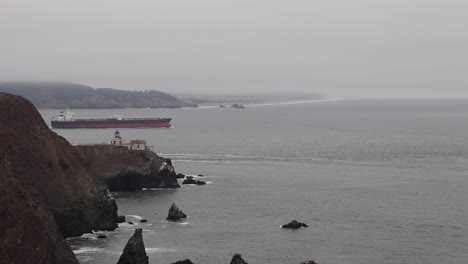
point(101, 236)
point(294, 225)
point(308, 262)
point(238, 106)
point(237, 259)
point(180, 175)
point(52, 171)
point(134, 252)
point(175, 213)
point(121, 219)
point(26, 227)
point(191, 180)
point(143, 221)
point(126, 170)
point(185, 261)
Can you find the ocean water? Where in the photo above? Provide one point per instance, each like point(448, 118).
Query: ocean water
point(377, 181)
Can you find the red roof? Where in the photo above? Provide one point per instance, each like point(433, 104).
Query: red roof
point(138, 141)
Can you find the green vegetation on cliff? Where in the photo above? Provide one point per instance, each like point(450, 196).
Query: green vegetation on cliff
point(68, 95)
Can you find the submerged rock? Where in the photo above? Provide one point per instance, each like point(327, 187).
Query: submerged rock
point(134, 252)
point(294, 225)
point(237, 259)
point(185, 261)
point(191, 180)
point(175, 213)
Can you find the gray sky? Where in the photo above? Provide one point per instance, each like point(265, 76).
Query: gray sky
point(361, 48)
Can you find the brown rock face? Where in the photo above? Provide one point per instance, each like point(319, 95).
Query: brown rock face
point(28, 233)
point(52, 171)
point(134, 252)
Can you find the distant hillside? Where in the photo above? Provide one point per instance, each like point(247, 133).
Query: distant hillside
point(68, 95)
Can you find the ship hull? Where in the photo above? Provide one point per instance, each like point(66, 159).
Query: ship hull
point(112, 123)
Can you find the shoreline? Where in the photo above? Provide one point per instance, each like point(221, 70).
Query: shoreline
point(268, 103)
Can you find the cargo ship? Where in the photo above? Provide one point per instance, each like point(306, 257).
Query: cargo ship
point(68, 120)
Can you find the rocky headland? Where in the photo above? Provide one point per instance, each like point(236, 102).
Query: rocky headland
point(48, 192)
point(53, 172)
point(122, 169)
point(68, 95)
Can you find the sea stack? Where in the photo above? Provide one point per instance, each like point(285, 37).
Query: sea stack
point(294, 225)
point(134, 252)
point(175, 213)
point(237, 259)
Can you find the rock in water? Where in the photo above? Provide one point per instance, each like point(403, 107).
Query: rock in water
point(180, 175)
point(134, 252)
point(175, 213)
point(309, 262)
point(185, 261)
point(237, 259)
point(121, 219)
point(192, 181)
point(294, 225)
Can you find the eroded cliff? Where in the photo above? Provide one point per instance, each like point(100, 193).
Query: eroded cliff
point(51, 171)
point(129, 170)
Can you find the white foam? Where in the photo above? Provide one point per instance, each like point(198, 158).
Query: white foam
point(135, 216)
point(194, 176)
point(125, 224)
point(87, 250)
point(299, 102)
point(88, 236)
point(160, 249)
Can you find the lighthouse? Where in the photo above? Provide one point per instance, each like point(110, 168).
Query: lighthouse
point(117, 139)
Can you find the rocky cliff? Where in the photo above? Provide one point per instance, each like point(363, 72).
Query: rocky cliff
point(126, 170)
point(28, 233)
point(51, 172)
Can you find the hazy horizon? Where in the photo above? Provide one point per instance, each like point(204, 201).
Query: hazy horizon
point(351, 49)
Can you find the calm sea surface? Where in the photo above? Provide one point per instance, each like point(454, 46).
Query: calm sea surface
point(377, 181)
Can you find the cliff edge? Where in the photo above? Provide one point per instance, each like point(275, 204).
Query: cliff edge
point(122, 169)
point(51, 172)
